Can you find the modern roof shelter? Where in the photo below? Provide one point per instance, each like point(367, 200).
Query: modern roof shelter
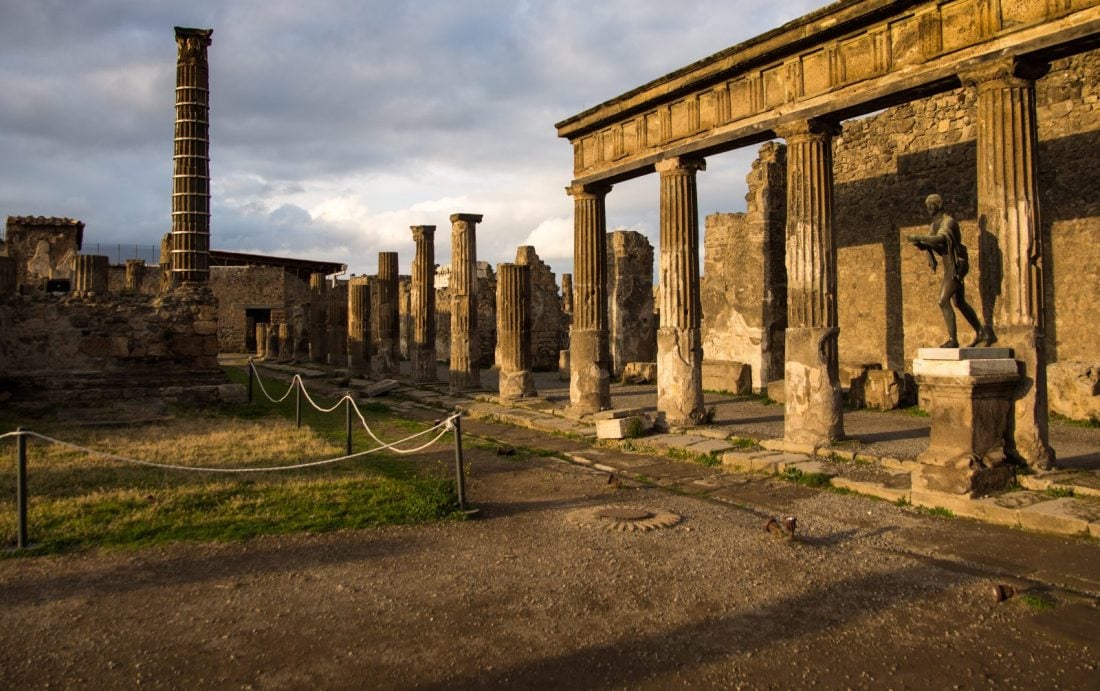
point(798, 83)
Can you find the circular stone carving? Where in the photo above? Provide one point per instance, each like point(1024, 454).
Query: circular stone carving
point(624, 518)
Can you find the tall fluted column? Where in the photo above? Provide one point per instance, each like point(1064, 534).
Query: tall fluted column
point(1011, 242)
point(465, 351)
point(422, 348)
point(286, 341)
point(388, 357)
point(514, 331)
point(359, 325)
point(679, 341)
point(567, 294)
point(318, 317)
point(813, 412)
point(90, 273)
point(589, 357)
point(337, 324)
point(191, 170)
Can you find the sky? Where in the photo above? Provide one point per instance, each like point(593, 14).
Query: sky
point(335, 126)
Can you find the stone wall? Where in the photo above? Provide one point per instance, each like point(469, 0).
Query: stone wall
point(486, 313)
point(632, 324)
point(43, 248)
point(547, 319)
point(67, 347)
point(886, 164)
point(240, 288)
point(744, 284)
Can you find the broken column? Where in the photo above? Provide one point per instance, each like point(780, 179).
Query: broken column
point(545, 314)
point(422, 346)
point(567, 294)
point(679, 341)
point(318, 317)
point(191, 171)
point(359, 325)
point(812, 413)
point(630, 318)
point(465, 350)
point(589, 359)
point(1008, 214)
point(514, 331)
point(91, 273)
point(388, 358)
point(135, 274)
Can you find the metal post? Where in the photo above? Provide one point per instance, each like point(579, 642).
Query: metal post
point(297, 402)
point(21, 487)
point(347, 410)
point(460, 478)
point(251, 368)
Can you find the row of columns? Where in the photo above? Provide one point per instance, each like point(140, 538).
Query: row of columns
point(1008, 209)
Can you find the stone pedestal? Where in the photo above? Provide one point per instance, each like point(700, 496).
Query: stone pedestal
point(813, 412)
point(90, 274)
point(465, 346)
point(589, 357)
point(679, 338)
point(359, 325)
point(422, 302)
point(514, 331)
point(387, 359)
point(970, 392)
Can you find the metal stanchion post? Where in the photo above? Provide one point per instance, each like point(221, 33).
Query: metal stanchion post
point(21, 487)
point(460, 478)
point(251, 369)
point(298, 402)
point(347, 409)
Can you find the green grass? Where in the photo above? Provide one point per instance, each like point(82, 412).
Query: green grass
point(807, 479)
point(1036, 602)
point(744, 443)
point(915, 411)
point(79, 500)
point(936, 511)
point(1091, 423)
point(1058, 492)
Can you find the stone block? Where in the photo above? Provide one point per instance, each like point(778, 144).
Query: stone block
point(617, 413)
point(1073, 389)
point(727, 375)
point(960, 354)
point(380, 388)
point(853, 381)
point(1065, 515)
point(563, 364)
point(623, 427)
point(964, 368)
point(640, 373)
point(232, 393)
point(777, 391)
point(883, 389)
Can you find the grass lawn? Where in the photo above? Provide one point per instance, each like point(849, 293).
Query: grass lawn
point(80, 500)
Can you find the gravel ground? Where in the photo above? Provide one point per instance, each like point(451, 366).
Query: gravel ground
point(523, 597)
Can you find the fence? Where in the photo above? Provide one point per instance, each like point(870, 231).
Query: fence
point(118, 254)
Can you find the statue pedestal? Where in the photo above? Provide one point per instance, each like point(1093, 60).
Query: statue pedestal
point(971, 392)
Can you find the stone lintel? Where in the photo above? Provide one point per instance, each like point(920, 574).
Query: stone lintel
point(687, 164)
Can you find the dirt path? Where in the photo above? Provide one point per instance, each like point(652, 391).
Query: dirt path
point(523, 597)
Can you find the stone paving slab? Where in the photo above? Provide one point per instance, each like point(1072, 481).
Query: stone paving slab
point(709, 446)
point(1080, 482)
point(873, 489)
point(669, 441)
point(1066, 515)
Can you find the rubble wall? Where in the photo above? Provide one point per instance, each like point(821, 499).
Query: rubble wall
point(238, 288)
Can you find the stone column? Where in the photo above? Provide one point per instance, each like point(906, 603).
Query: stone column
point(165, 262)
point(135, 274)
point(465, 349)
point(1011, 242)
point(567, 294)
point(388, 358)
point(813, 412)
point(261, 341)
point(359, 325)
point(191, 170)
point(514, 331)
point(271, 350)
point(679, 341)
point(589, 358)
point(337, 324)
point(422, 347)
point(286, 342)
point(8, 283)
point(318, 318)
point(90, 273)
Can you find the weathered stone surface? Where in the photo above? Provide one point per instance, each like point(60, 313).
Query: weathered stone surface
point(624, 427)
point(514, 331)
point(589, 352)
point(631, 322)
point(422, 301)
point(883, 389)
point(358, 325)
point(42, 248)
point(245, 290)
point(777, 391)
point(90, 274)
point(812, 405)
point(387, 355)
point(318, 317)
point(1073, 389)
point(191, 160)
point(563, 365)
point(465, 345)
point(135, 275)
point(546, 317)
point(640, 373)
point(732, 377)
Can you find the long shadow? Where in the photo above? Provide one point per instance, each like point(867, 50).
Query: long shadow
point(225, 563)
point(629, 660)
point(893, 435)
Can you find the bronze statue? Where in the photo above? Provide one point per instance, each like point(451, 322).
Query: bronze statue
point(946, 241)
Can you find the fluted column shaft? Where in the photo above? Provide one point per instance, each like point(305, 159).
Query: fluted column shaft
point(422, 299)
point(286, 341)
point(1008, 217)
point(90, 273)
point(514, 330)
point(191, 171)
point(337, 324)
point(679, 341)
point(589, 356)
point(813, 410)
point(135, 274)
point(388, 357)
point(465, 350)
point(359, 324)
point(567, 293)
point(318, 317)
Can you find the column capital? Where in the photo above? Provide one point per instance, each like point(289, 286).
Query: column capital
point(468, 218)
point(422, 232)
point(809, 128)
point(590, 190)
point(680, 164)
point(193, 43)
point(1011, 71)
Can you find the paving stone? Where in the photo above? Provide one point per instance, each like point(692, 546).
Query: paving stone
point(1066, 515)
point(788, 446)
point(709, 446)
point(617, 413)
point(872, 489)
point(812, 468)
